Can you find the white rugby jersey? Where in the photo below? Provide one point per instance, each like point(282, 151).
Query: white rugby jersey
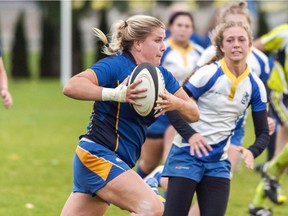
point(257, 61)
point(179, 61)
point(222, 99)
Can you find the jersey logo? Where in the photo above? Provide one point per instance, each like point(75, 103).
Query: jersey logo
point(245, 98)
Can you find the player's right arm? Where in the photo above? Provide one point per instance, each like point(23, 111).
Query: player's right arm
point(85, 86)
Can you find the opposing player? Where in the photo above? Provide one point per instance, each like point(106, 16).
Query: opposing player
point(110, 148)
point(223, 89)
point(276, 40)
point(258, 63)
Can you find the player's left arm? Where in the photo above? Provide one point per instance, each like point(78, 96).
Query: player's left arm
point(261, 132)
point(4, 92)
point(261, 141)
point(180, 102)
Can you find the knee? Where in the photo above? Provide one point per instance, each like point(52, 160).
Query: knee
point(152, 208)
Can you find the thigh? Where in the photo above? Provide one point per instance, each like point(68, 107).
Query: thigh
point(130, 192)
point(151, 154)
point(281, 138)
point(179, 196)
point(212, 195)
point(84, 204)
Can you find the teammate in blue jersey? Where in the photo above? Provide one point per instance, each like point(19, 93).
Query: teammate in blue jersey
point(110, 148)
point(223, 89)
point(4, 92)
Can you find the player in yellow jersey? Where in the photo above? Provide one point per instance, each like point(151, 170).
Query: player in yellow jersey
point(276, 41)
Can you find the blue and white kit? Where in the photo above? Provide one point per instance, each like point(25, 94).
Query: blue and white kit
point(258, 62)
point(222, 99)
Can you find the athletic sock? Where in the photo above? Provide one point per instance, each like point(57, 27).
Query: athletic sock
point(280, 162)
point(260, 196)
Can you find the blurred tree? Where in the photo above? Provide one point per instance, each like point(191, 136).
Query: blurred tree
point(19, 55)
point(104, 28)
point(262, 24)
point(77, 49)
point(50, 58)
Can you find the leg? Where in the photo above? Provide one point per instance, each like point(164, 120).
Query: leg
point(194, 210)
point(111, 180)
point(128, 191)
point(179, 196)
point(281, 139)
point(150, 155)
point(279, 106)
point(213, 194)
point(84, 204)
point(135, 196)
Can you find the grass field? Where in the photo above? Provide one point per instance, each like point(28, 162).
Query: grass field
point(38, 136)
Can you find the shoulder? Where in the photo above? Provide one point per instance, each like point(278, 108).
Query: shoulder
point(258, 53)
point(256, 80)
point(206, 73)
point(171, 83)
point(112, 62)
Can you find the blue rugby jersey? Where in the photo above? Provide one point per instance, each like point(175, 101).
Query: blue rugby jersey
point(116, 125)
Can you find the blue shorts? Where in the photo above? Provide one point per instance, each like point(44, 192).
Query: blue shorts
point(181, 164)
point(94, 166)
point(239, 132)
point(158, 128)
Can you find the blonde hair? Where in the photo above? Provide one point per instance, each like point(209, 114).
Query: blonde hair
point(123, 33)
point(237, 8)
point(218, 32)
point(217, 40)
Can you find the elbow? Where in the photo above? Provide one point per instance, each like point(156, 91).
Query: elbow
point(196, 116)
point(193, 117)
point(67, 90)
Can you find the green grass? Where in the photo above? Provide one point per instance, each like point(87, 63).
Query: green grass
point(38, 136)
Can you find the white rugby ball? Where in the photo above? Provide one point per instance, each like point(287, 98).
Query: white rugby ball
point(152, 79)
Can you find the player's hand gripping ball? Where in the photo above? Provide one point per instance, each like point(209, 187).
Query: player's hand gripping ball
point(153, 81)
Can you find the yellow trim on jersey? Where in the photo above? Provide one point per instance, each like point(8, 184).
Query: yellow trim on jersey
point(234, 80)
point(117, 123)
point(177, 91)
point(97, 165)
point(183, 51)
point(94, 74)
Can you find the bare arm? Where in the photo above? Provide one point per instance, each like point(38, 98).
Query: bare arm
point(84, 86)
point(180, 102)
point(4, 92)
